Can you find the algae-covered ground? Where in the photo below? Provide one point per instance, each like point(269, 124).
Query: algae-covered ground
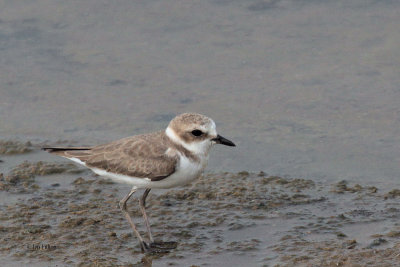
point(55, 213)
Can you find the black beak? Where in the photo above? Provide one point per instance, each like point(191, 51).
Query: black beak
point(223, 141)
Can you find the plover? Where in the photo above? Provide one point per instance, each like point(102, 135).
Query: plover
point(161, 159)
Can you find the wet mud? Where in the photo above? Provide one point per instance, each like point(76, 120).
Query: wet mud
point(59, 214)
point(11, 147)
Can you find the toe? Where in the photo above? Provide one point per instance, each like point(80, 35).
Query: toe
point(144, 246)
point(164, 245)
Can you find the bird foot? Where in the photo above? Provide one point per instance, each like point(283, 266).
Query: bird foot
point(158, 247)
point(164, 245)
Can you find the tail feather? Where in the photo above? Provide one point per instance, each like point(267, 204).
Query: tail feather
point(69, 152)
point(58, 149)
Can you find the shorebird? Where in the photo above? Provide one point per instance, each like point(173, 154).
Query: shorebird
point(164, 159)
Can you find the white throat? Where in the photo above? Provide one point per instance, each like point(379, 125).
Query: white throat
point(198, 148)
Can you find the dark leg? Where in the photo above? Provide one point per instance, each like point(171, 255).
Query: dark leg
point(122, 205)
point(155, 246)
point(142, 203)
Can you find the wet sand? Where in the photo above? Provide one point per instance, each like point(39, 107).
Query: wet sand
point(56, 213)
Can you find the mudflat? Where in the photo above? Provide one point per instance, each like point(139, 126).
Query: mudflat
point(56, 213)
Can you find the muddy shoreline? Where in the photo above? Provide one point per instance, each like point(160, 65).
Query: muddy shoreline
point(56, 213)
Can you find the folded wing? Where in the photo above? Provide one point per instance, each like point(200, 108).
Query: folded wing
point(138, 156)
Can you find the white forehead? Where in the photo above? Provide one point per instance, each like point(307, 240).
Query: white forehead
point(209, 128)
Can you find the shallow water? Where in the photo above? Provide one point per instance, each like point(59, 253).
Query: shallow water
point(305, 88)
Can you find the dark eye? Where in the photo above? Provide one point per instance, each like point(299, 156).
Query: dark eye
point(197, 132)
